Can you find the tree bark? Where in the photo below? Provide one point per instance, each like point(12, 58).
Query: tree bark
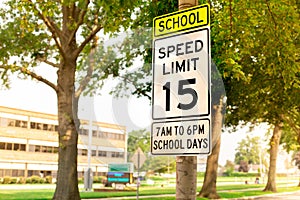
point(67, 182)
point(209, 188)
point(186, 177)
point(186, 166)
point(274, 143)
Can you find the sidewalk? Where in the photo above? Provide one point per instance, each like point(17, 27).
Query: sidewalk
point(173, 195)
point(133, 197)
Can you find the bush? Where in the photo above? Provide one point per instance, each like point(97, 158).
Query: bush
point(157, 178)
point(28, 180)
point(241, 174)
point(13, 180)
point(35, 179)
point(80, 180)
point(48, 179)
point(6, 180)
point(21, 180)
point(99, 179)
point(42, 180)
point(200, 174)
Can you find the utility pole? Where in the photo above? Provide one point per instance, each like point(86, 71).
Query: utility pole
point(186, 166)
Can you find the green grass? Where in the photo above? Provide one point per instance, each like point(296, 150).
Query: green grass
point(225, 191)
point(26, 194)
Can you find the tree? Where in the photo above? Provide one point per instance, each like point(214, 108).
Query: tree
point(160, 164)
point(59, 34)
point(264, 46)
point(297, 162)
point(229, 167)
point(248, 150)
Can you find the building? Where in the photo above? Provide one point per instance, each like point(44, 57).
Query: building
point(29, 144)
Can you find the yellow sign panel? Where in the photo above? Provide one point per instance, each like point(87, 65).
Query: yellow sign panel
point(181, 20)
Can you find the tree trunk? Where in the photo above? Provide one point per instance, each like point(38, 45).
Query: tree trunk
point(209, 188)
point(274, 143)
point(186, 177)
point(67, 181)
point(186, 166)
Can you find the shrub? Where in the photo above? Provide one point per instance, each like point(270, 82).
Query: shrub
point(6, 180)
point(48, 179)
point(99, 179)
point(80, 180)
point(35, 179)
point(157, 178)
point(21, 180)
point(200, 174)
point(28, 180)
point(13, 180)
point(42, 180)
point(241, 174)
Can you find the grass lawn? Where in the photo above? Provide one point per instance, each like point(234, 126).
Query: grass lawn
point(226, 191)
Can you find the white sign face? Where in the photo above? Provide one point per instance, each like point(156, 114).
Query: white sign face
point(181, 75)
point(188, 137)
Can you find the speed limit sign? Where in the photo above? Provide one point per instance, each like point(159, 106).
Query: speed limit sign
point(181, 102)
point(181, 82)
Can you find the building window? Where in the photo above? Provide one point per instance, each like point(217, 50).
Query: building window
point(103, 135)
point(22, 147)
point(117, 154)
point(84, 152)
point(32, 125)
point(44, 149)
point(55, 149)
point(16, 147)
point(21, 124)
point(39, 126)
point(51, 127)
point(31, 148)
point(11, 122)
point(37, 148)
point(49, 149)
point(93, 152)
point(83, 132)
point(12, 146)
point(9, 146)
point(102, 153)
point(3, 122)
point(45, 127)
point(2, 145)
point(94, 133)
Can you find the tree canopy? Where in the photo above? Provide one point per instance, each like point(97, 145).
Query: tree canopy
point(60, 34)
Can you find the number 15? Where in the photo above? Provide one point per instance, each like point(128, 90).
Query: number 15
point(182, 91)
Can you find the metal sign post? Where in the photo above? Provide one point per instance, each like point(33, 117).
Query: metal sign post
point(138, 160)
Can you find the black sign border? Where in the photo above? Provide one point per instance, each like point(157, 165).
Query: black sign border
point(168, 154)
point(209, 78)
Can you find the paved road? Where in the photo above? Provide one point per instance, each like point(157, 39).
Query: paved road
point(279, 196)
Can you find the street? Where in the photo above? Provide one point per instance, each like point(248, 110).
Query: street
point(282, 196)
